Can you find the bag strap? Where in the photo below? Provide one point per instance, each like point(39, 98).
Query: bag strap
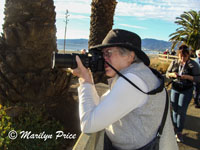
point(157, 90)
point(160, 129)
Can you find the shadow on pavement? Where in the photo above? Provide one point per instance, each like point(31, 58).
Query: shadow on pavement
point(192, 134)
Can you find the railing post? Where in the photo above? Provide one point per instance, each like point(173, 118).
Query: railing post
point(167, 57)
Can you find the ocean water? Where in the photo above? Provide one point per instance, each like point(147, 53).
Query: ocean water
point(74, 47)
point(149, 52)
point(77, 45)
point(72, 44)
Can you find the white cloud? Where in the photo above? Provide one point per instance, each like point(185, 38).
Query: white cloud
point(132, 26)
point(79, 17)
point(72, 16)
point(81, 7)
point(73, 6)
point(143, 9)
point(2, 3)
point(161, 9)
point(73, 34)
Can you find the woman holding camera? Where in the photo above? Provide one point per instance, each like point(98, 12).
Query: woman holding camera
point(130, 118)
point(184, 71)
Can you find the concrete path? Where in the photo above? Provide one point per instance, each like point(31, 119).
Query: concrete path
point(191, 131)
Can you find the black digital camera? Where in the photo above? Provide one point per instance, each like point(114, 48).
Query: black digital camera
point(93, 60)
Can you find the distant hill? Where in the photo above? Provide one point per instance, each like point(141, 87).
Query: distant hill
point(153, 44)
point(147, 44)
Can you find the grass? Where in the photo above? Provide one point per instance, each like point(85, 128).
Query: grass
point(159, 65)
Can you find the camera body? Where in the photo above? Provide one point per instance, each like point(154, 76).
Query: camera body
point(93, 60)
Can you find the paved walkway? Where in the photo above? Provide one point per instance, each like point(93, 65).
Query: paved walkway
point(192, 129)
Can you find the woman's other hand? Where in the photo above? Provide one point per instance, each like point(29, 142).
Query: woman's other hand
point(187, 77)
point(173, 75)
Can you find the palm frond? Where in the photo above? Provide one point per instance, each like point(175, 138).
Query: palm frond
point(188, 30)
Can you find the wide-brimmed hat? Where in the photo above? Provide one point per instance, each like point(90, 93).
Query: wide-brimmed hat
point(126, 39)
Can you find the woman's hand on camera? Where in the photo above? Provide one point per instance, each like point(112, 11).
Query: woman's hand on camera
point(83, 73)
point(173, 75)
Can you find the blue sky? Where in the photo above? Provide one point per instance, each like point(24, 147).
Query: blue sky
point(148, 18)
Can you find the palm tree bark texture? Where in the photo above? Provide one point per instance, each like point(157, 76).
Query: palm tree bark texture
point(26, 51)
point(101, 22)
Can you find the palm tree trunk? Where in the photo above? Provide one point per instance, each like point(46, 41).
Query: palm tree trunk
point(26, 51)
point(102, 13)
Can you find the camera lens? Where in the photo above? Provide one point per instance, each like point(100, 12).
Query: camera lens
point(93, 60)
point(64, 61)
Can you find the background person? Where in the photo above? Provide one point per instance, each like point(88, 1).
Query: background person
point(198, 57)
point(130, 118)
point(166, 52)
point(197, 85)
point(184, 71)
point(173, 52)
point(83, 51)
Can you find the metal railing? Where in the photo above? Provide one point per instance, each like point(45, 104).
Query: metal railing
point(92, 141)
point(167, 57)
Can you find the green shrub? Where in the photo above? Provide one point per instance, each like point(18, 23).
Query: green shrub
point(5, 127)
point(36, 121)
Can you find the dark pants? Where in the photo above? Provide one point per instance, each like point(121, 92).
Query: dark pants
point(197, 94)
point(180, 102)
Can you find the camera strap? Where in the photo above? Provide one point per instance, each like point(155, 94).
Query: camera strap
point(157, 90)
